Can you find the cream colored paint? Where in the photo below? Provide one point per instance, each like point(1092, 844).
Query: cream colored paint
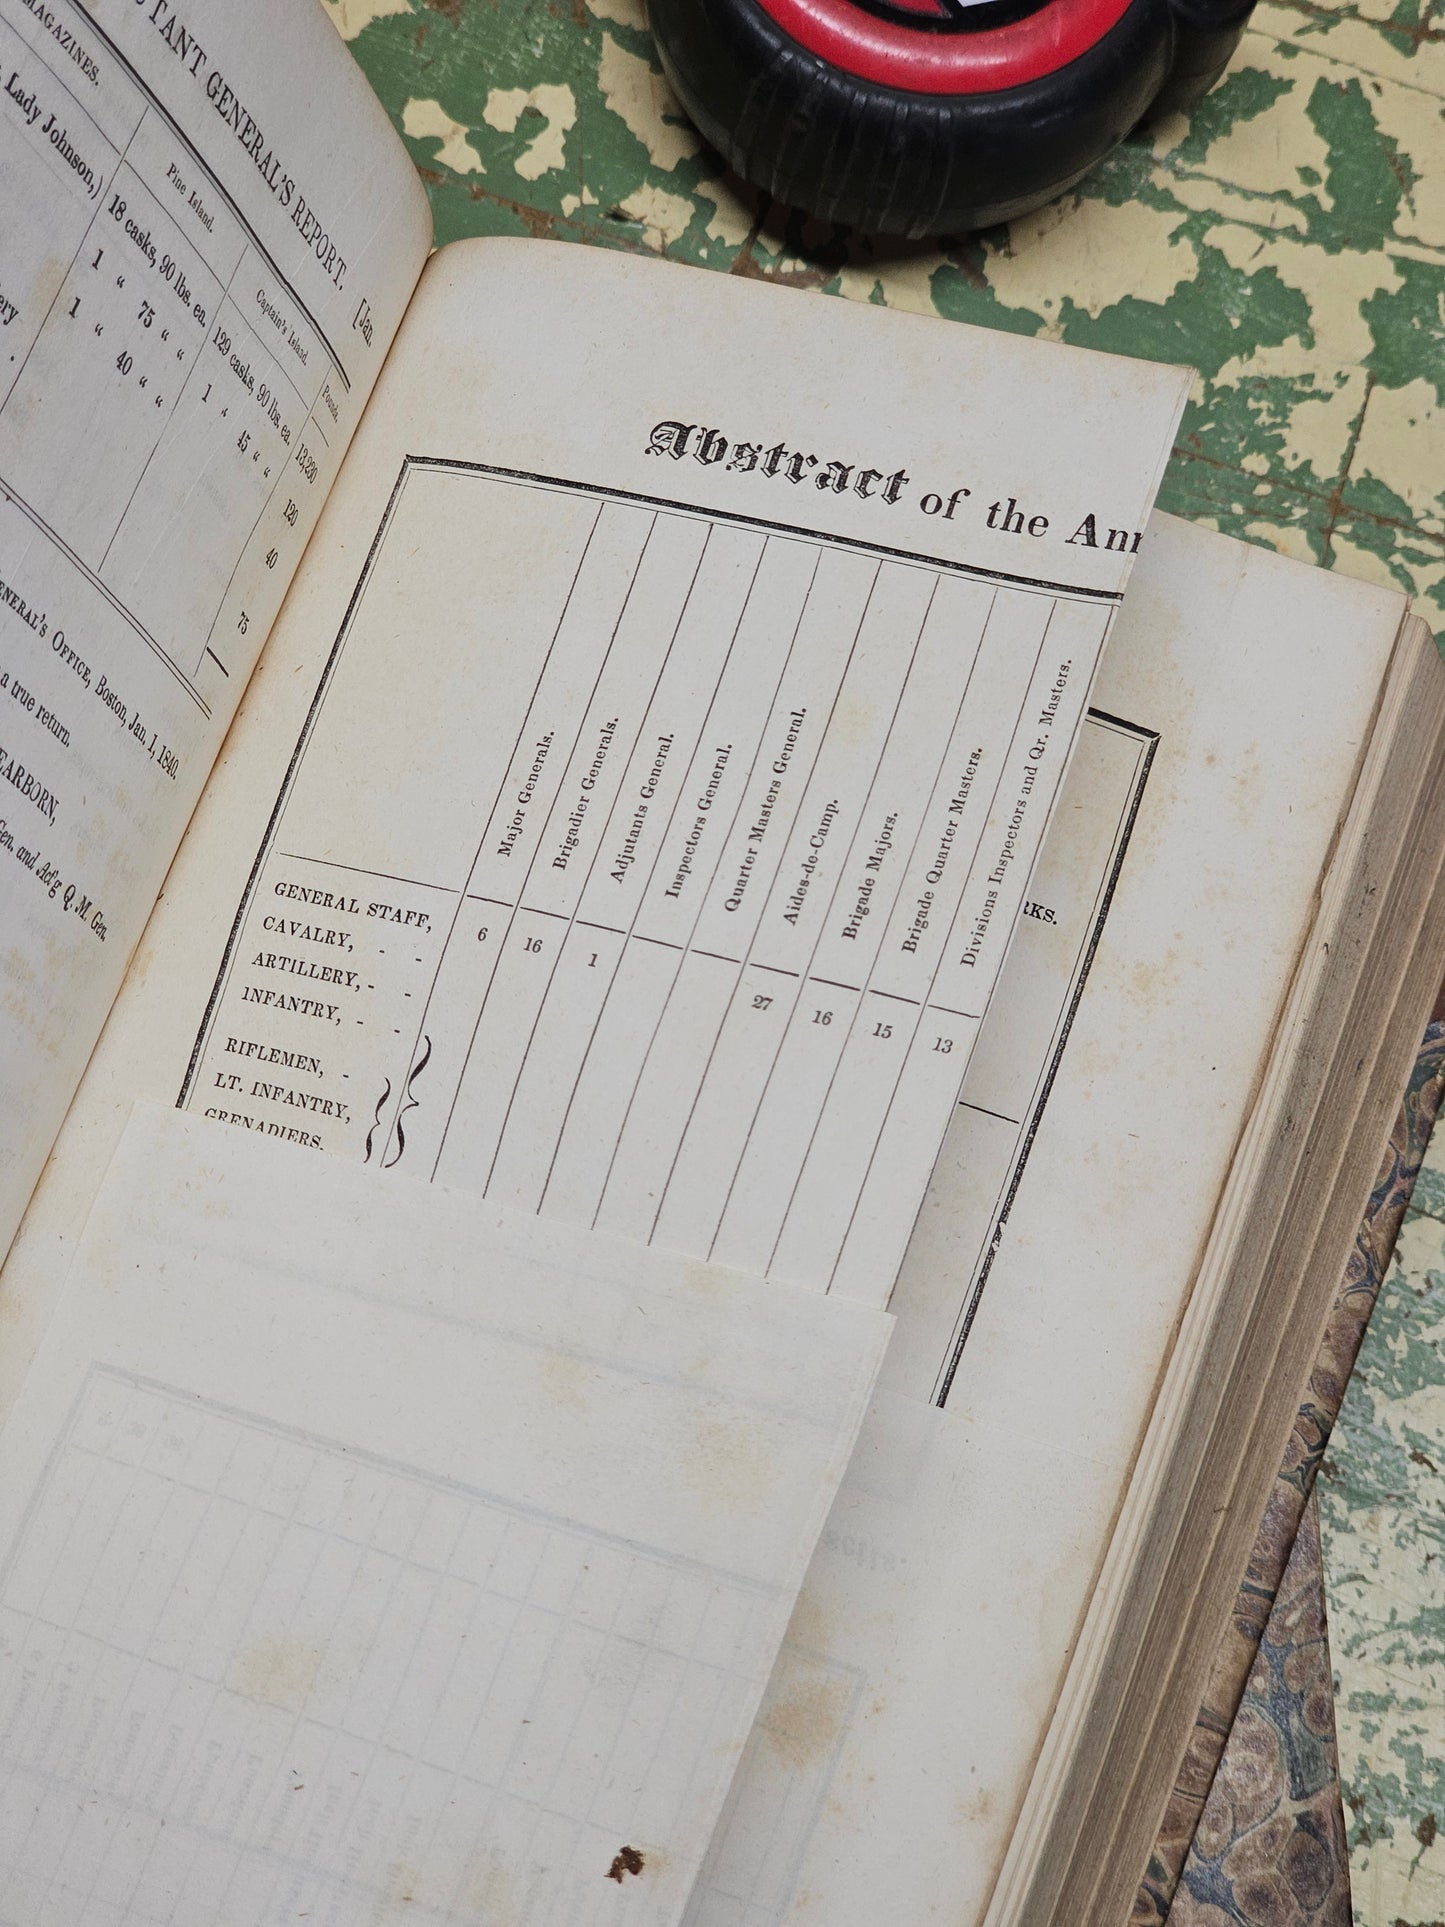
point(1321, 425)
point(1355, 46)
point(1204, 193)
point(558, 107)
point(1286, 539)
point(428, 120)
point(907, 285)
point(1372, 1545)
point(1072, 250)
point(731, 219)
point(1413, 121)
point(626, 13)
point(665, 217)
point(1401, 441)
point(1334, 286)
point(1264, 155)
point(645, 104)
point(350, 16)
point(1391, 1878)
point(1350, 559)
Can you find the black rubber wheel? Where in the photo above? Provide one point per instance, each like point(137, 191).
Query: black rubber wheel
point(1033, 94)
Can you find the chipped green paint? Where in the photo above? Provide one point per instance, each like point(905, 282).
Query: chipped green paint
point(1367, 177)
point(1407, 326)
point(1243, 95)
point(1381, 1497)
point(1289, 243)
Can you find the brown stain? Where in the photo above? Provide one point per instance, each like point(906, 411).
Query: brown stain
point(1091, 1058)
point(803, 1725)
point(747, 267)
point(279, 1672)
point(490, 1893)
point(50, 278)
point(811, 1625)
point(727, 1463)
point(854, 719)
point(705, 1279)
point(971, 261)
point(627, 1860)
point(979, 1808)
point(567, 1381)
point(403, 1882)
point(1153, 981)
point(1246, 788)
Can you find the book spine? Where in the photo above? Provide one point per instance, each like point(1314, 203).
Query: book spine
point(1272, 1832)
point(1273, 1663)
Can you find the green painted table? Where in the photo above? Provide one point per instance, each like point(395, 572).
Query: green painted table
point(1289, 243)
point(1381, 1499)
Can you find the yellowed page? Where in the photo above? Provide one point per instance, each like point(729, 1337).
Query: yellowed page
point(208, 235)
point(1054, 1257)
point(489, 416)
point(379, 1555)
point(1195, 968)
point(643, 784)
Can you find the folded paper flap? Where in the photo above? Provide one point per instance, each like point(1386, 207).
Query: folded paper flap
point(444, 1254)
point(504, 1522)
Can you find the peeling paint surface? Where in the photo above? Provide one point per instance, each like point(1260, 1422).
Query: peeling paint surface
point(1288, 241)
point(1381, 1497)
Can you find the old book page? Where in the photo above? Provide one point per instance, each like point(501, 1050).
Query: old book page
point(373, 1553)
point(1055, 1254)
point(645, 777)
point(208, 235)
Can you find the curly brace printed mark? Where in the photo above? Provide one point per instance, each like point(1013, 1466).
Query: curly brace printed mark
point(409, 1103)
point(376, 1121)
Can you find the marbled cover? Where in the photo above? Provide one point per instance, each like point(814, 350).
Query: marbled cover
point(1254, 1834)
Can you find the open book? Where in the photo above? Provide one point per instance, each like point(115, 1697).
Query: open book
point(627, 821)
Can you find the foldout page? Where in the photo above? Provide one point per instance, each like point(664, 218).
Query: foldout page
point(1055, 1252)
point(371, 1553)
point(208, 234)
point(646, 846)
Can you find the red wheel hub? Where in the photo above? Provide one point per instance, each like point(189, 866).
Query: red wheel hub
point(936, 49)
